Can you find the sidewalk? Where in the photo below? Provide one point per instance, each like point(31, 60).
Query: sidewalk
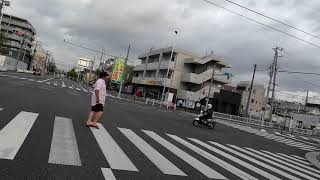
point(314, 158)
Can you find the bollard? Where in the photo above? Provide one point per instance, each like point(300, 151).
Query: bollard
point(147, 100)
point(153, 102)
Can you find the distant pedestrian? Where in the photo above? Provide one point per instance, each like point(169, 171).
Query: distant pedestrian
point(97, 100)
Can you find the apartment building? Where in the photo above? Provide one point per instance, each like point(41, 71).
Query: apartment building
point(257, 100)
point(189, 75)
point(15, 28)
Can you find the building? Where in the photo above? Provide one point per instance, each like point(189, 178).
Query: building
point(257, 100)
point(227, 101)
point(16, 30)
point(189, 75)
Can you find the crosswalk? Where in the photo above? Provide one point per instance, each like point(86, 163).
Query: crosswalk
point(50, 81)
point(286, 139)
point(209, 158)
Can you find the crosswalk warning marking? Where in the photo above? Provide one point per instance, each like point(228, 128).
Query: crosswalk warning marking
point(14, 133)
point(219, 162)
point(277, 162)
point(1, 109)
point(108, 174)
point(232, 158)
point(295, 159)
point(111, 150)
point(153, 155)
point(64, 148)
point(301, 165)
point(204, 169)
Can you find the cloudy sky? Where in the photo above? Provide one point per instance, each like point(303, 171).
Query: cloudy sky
point(112, 25)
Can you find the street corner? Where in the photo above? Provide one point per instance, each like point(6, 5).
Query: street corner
point(314, 158)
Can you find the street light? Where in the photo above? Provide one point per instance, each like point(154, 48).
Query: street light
point(164, 84)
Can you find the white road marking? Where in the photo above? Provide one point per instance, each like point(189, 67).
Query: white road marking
point(234, 159)
point(277, 159)
point(217, 161)
point(64, 148)
point(63, 85)
point(304, 138)
point(55, 84)
point(295, 159)
point(204, 169)
point(271, 168)
point(75, 94)
point(299, 157)
point(108, 174)
point(78, 89)
point(31, 80)
point(153, 155)
point(45, 80)
point(316, 139)
point(275, 162)
point(70, 87)
point(85, 90)
point(1, 109)
point(3, 75)
point(22, 78)
point(111, 150)
point(14, 133)
point(45, 88)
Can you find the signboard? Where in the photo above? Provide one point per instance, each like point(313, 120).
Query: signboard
point(85, 63)
point(151, 82)
point(117, 70)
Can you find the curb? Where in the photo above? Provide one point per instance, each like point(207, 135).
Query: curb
point(313, 157)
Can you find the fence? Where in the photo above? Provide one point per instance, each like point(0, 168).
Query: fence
point(264, 124)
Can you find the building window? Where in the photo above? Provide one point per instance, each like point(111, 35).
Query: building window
point(252, 100)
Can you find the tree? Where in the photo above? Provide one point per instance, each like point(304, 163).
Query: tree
point(3, 41)
point(98, 71)
point(72, 73)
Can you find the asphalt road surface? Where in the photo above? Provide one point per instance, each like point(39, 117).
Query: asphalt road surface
point(43, 136)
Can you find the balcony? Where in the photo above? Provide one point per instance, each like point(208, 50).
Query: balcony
point(155, 66)
point(205, 76)
point(197, 96)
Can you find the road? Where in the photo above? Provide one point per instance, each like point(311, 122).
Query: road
point(43, 136)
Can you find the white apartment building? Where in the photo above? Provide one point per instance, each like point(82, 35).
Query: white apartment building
point(189, 74)
point(257, 99)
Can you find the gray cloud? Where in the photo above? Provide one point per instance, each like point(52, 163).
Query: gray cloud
point(202, 27)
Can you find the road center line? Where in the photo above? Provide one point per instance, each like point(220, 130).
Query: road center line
point(14, 133)
point(64, 148)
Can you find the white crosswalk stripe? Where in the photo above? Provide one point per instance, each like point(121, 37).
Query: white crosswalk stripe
point(111, 150)
point(274, 162)
point(223, 164)
point(211, 159)
point(159, 160)
point(14, 133)
point(64, 148)
point(234, 159)
point(204, 169)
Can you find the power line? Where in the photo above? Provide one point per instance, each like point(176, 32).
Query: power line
point(298, 96)
point(90, 49)
point(293, 36)
point(299, 72)
point(278, 21)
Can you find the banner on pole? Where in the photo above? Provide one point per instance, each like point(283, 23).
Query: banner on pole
point(118, 67)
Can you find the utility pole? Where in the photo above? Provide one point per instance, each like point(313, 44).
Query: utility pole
point(211, 81)
point(305, 106)
point(251, 88)
point(272, 104)
point(19, 52)
point(122, 74)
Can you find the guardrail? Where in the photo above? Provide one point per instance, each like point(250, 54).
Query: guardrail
point(264, 124)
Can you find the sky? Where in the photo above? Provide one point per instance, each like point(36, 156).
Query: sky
point(110, 26)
